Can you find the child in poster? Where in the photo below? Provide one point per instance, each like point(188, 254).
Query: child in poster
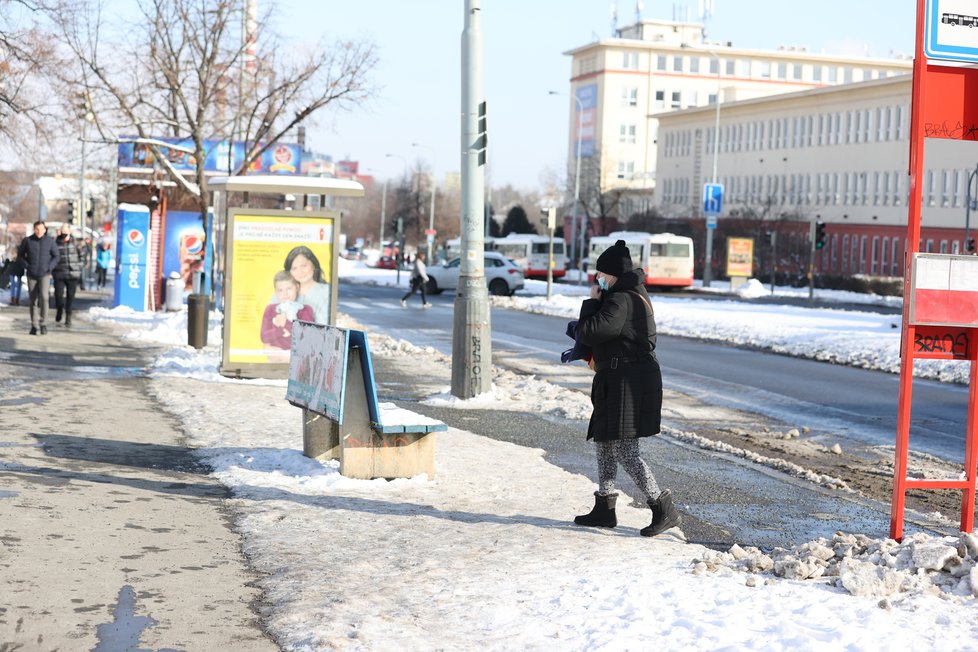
point(276, 323)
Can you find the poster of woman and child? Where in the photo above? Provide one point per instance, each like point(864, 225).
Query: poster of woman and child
point(280, 270)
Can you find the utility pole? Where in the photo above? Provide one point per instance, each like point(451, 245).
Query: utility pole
point(472, 335)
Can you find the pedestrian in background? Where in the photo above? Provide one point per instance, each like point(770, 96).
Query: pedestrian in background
point(67, 273)
point(103, 258)
point(39, 253)
point(419, 279)
point(618, 324)
point(15, 270)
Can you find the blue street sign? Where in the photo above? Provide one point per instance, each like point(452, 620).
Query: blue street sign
point(949, 35)
point(711, 221)
point(713, 198)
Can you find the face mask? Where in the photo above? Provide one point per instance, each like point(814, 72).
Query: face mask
point(603, 283)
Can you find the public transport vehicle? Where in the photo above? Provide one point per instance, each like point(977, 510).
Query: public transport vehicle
point(666, 258)
point(453, 247)
point(532, 253)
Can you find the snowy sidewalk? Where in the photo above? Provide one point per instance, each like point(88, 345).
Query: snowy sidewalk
point(484, 557)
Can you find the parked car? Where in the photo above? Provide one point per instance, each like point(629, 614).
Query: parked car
point(503, 276)
point(386, 262)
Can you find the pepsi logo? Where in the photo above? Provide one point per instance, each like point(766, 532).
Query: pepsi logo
point(135, 237)
point(193, 244)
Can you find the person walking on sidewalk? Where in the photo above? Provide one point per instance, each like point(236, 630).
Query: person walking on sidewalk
point(40, 255)
point(618, 323)
point(419, 279)
point(15, 270)
point(67, 273)
point(103, 258)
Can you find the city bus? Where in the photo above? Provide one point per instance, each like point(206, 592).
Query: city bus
point(531, 253)
point(666, 258)
point(453, 247)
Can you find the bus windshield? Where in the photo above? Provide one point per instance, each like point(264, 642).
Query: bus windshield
point(670, 249)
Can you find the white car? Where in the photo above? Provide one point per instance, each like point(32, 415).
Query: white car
point(503, 277)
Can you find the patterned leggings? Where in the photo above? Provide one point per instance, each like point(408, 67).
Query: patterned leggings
point(624, 452)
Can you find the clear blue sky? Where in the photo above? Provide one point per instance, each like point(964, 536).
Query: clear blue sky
point(419, 43)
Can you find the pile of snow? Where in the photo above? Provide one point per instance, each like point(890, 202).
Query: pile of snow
point(946, 567)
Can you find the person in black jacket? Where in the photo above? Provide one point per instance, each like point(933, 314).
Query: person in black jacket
point(67, 273)
point(618, 323)
point(39, 254)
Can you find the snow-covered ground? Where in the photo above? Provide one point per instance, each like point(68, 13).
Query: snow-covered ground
point(483, 556)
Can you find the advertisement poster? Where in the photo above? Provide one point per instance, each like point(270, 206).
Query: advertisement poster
point(317, 370)
point(280, 158)
point(279, 272)
point(185, 250)
point(132, 254)
point(740, 257)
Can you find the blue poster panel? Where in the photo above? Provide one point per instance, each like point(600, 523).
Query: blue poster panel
point(185, 249)
point(317, 369)
point(132, 253)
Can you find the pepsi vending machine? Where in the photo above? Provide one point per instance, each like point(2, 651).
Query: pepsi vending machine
point(132, 253)
point(185, 250)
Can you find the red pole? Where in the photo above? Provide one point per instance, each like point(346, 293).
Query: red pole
point(916, 171)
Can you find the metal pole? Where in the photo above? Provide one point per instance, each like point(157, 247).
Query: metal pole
point(811, 262)
point(81, 204)
point(708, 263)
point(575, 227)
point(431, 211)
point(967, 213)
point(472, 336)
point(383, 219)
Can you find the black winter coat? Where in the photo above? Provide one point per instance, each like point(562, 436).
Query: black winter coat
point(70, 259)
point(627, 389)
point(39, 255)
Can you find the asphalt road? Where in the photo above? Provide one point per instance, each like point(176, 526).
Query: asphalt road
point(856, 405)
point(724, 498)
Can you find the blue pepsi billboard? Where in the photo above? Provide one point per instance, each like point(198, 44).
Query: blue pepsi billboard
point(132, 254)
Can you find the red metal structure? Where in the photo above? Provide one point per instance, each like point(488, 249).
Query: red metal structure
point(940, 307)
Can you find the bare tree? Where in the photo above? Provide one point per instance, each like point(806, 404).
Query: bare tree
point(25, 52)
point(176, 66)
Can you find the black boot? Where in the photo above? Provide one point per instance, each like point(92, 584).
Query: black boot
point(67, 320)
point(57, 317)
point(603, 514)
point(664, 515)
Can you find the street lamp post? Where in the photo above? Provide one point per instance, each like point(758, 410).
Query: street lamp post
point(577, 181)
point(400, 243)
point(708, 266)
point(431, 211)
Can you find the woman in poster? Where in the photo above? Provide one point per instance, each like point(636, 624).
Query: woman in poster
point(306, 270)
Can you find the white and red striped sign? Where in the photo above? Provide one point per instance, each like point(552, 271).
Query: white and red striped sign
point(944, 290)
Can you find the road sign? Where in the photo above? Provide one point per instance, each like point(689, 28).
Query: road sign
point(713, 199)
point(711, 221)
point(949, 30)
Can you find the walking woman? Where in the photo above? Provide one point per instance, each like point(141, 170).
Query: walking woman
point(618, 324)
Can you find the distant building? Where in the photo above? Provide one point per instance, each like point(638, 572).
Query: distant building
point(624, 85)
point(838, 154)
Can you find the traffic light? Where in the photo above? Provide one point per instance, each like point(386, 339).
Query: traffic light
point(820, 235)
point(969, 246)
point(71, 211)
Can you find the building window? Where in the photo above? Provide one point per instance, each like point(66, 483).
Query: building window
point(626, 134)
point(660, 62)
point(817, 73)
point(676, 99)
point(862, 254)
point(629, 60)
point(796, 71)
point(874, 261)
point(930, 187)
point(714, 66)
point(694, 65)
point(629, 97)
point(782, 70)
point(677, 64)
point(626, 169)
point(660, 101)
point(833, 75)
point(845, 253)
point(884, 251)
point(731, 68)
point(766, 69)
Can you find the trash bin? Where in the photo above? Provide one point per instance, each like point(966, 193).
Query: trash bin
point(198, 311)
point(174, 292)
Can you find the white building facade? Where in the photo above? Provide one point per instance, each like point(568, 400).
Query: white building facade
point(839, 155)
point(621, 87)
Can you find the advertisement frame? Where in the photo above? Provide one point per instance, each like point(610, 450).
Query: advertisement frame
point(237, 310)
